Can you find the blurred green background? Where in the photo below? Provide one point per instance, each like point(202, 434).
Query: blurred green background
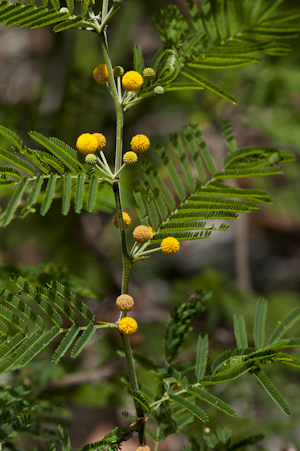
point(46, 85)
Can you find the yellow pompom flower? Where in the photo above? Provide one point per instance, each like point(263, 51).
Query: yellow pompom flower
point(143, 448)
point(87, 143)
point(151, 230)
point(100, 74)
point(101, 140)
point(128, 326)
point(130, 158)
point(126, 219)
point(140, 143)
point(142, 234)
point(132, 81)
point(170, 245)
point(125, 303)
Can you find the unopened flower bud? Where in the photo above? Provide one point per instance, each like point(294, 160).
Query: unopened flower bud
point(118, 71)
point(91, 158)
point(148, 73)
point(64, 11)
point(159, 90)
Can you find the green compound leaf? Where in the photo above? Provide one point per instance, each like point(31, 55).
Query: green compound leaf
point(259, 323)
point(271, 390)
point(285, 325)
point(65, 343)
point(138, 395)
point(190, 407)
point(83, 340)
point(240, 331)
point(14, 201)
point(211, 399)
point(246, 442)
point(138, 59)
point(208, 85)
point(224, 435)
point(92, 196)
point(67, 192)
point(200, 199)
point(50, 191)
point(201, 357)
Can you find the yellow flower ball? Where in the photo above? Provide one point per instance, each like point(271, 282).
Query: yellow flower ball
point(100, 74)
point(128, 326)
point(142, 234)
point(143, 448)
point(140, 143)
point(151, 230)
point(101, 140)
point(132, 81)
point(126, 219)
point(170, 245)
point(130, 158)
point(87, 143)
point(125, 303)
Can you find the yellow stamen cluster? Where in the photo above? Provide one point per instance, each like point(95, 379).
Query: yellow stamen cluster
point(140, 143)
point(141, 234)
point(101, 140)
point(170, 245)
point(100, 74)
point(132, 81)
point(128, 326)
point(87, 143)
point(130, 158)
point(126, 220)
point(143, 448)
point(125, 303)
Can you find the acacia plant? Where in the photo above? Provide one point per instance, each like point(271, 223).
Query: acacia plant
point(223, 34)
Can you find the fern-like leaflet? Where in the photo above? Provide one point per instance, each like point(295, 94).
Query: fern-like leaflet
point(203, 196)
point(59, 173)
point(35, 317)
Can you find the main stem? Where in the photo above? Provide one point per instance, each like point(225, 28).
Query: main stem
point(126, 259)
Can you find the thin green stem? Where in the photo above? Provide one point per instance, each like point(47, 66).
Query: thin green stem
point(104, 161)
point(118, 172)
point(104, 10)
point(126, 259)
point(138, 254)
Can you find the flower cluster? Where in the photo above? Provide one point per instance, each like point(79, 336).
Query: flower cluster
point(130, 158)
point(128, 326)
point(140, 143)
point(126, 220)
point(124, 303)
point(101, 140)
point(87, 143)
point(170, 245)
point(100, 74)
point(132, 81)
point(142, 234)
